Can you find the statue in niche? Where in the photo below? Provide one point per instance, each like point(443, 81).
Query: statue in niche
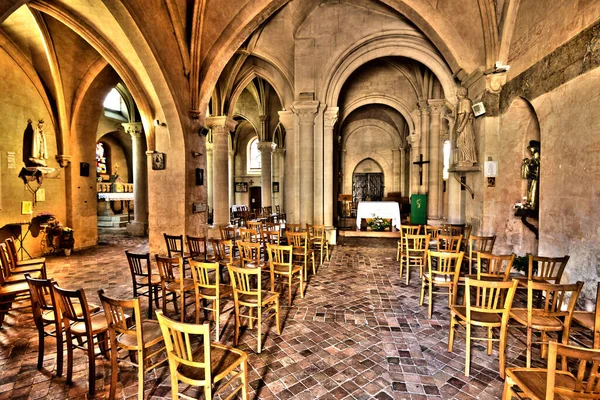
point(465, 137)
point(530, 170)
point(39, 150)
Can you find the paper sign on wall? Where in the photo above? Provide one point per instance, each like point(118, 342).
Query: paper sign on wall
point(11, 159)
point(40, 195)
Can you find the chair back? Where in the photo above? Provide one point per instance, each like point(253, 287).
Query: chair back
point(299, 240)
point(12, 250)
point(166, 268)
point(73, 306)
point(42, 298)
point(178, 338)
point(489, 297)
point(174, 245)
point(416, 246)
point(223, 250)
point(5, 260)
point(480, 244)
point(272, 237)
point(560, 300)
point(293, 227)
point(249, 254)
point(455, 230)
point(249, 235)
point(280, 256)
point(273, 227)
point(585, 384)
point(492, 265)
point(409, 230)
point(256, 225)
point(228, 233)
point(444, 267)
point(246, 284)
point(118, 312)
point(206, 275)
point(197, 247)
point(549, 269)
point(434, 231)
point(449, 243)
point(318, 233)
point(139, 264)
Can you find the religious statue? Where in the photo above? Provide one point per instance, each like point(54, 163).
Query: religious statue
point(39, 151)
point(530, 170)
point(465, 137)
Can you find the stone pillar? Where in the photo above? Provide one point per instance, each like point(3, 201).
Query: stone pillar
point(306, 111)
point(291, 201)
point(139, 226)
point(329, 119)
point(434, 202)
point(209, 174)
point(403, 188)
point(424, 113)
point(415, 144)
point(220, 127)
point(231, 175)
point(279, 174)
point(266, 176)
point(396, 170)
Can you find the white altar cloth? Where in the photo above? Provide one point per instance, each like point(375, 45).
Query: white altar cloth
point(115, 196)
point(383, 209)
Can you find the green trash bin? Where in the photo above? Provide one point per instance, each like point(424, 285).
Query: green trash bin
point(418, 209)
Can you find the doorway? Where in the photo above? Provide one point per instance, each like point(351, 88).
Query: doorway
point(255, 197)
point(367, 187)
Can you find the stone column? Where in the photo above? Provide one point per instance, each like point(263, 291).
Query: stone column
point(434, 202)
point(279, 174)
point(424, 113)
point(415, 144)
point(329, 119)
point(291, 201)
point(209, 174)
point(306, 111)
point(396, 170)
point(231, 175)
point(403, 188)
point(266, 176)
point(139, 226)
point(220, 127)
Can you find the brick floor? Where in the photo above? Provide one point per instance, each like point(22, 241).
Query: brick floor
point(358, 334)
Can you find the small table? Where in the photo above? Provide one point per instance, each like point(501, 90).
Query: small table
point(381, 209)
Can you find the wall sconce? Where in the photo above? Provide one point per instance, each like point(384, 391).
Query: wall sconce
point(158, 123)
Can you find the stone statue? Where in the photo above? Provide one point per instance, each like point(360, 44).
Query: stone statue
point(465, 137)
point(530, 170)
point(39, 151)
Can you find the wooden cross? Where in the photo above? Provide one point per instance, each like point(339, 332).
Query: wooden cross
point(420, 164)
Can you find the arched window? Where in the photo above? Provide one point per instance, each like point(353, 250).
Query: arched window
point(102, 159)
point(253, 155)
point(446, 159)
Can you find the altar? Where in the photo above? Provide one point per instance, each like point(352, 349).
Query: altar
point(383, 209)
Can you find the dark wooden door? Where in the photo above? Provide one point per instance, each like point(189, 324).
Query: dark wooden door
point(367, 187)
point(255, 197)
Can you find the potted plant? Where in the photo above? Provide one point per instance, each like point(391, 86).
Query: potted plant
point(521, 264)
point(379, 224)
point(66, 240)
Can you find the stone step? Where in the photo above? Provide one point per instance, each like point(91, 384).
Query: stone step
point(112, 221)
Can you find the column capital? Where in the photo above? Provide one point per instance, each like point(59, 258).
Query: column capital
point(286, 118)
point(209, 146)
point(306, 111)
point(266, 146)
point(279, 150)
point(423, 107)
point(222, 121)
point(495, 82)
point(263, 118)
point(63, 160)
point(436, 106)
point(414, 139)
point(330, 116)
point(133, 128)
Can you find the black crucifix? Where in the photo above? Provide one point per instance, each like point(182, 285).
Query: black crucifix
point(420, 164)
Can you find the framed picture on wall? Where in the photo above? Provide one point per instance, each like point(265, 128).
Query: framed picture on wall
point(241, 187)
point(275, 187)
point(158, 161)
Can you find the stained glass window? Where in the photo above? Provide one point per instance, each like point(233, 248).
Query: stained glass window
point(100, 159)
point(253, 156)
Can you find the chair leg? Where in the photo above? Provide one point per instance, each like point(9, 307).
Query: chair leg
point(91, 365)
point(290, 290)
point(259, 323)
point(236, 336)
point(197, 303)
point(114, 366)
point(529, 339)
point(141, 370)
point(217, 318)
point(544, 346)
point(251, 317)
point(407, 272)
point(59, 348)
point(430, 312)
point(422, 292)
point(182, 299)
point(277, 315)
point(156, 303)
point(506, 393)
point(468, 350)
point(502, 350)
point(244, 377)
point(69, 358)
point(451, 334)
point(302, 287)
point(149, 301)
point(41, 335)
point(490, 343)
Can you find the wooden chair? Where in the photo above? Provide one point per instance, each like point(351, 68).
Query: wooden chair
point(197, 247)
point(137, 337)
point(175, 247)
point(443, 269)
point(459, 230)
point(11, 292)
point(415, 249)
point(433, 231)
point(22, 266)
point(249, 295)
point(250, 235)
point(280, 263)
point(208, 287)
point(302, 253)
point(177, 286)
point(549, 269)
point(80, 324)
point(293, 228)
point(12, 274)
point(554, 315)
point(250, 255)
point(145, 283)
point(229, 233)
point(489, 308)
point(272, 237)
point(205, 365)
point(224, 255)
point(494, 267)
point(590, 320)
point(557, 382)
point(406, 230)
point(449, 243)
point(256, 225)
point(318, 241)
point(478, 244)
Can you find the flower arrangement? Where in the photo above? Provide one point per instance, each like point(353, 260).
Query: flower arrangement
point(523, 205)
point(378, 224)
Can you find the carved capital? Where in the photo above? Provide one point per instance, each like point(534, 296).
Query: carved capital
point(222, 124)
point(266, 146)
point(436, 106)
point(263, 118)
point(306, 111)
point(414, 139)
point(286, 118)
point(495, 82)
point(63, 160)
point(280, 151)
point(135, 129)
point(330, 117)
point(423, 108)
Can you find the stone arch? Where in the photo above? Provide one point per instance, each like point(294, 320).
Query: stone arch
point(364, 161)
point(379, 98)
point(356, 126)
point(401, 43)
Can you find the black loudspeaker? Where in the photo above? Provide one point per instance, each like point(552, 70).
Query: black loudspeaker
point(84, 169)
point(199, 177)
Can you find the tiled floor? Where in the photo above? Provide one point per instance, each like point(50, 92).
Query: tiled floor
point(358, 334)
